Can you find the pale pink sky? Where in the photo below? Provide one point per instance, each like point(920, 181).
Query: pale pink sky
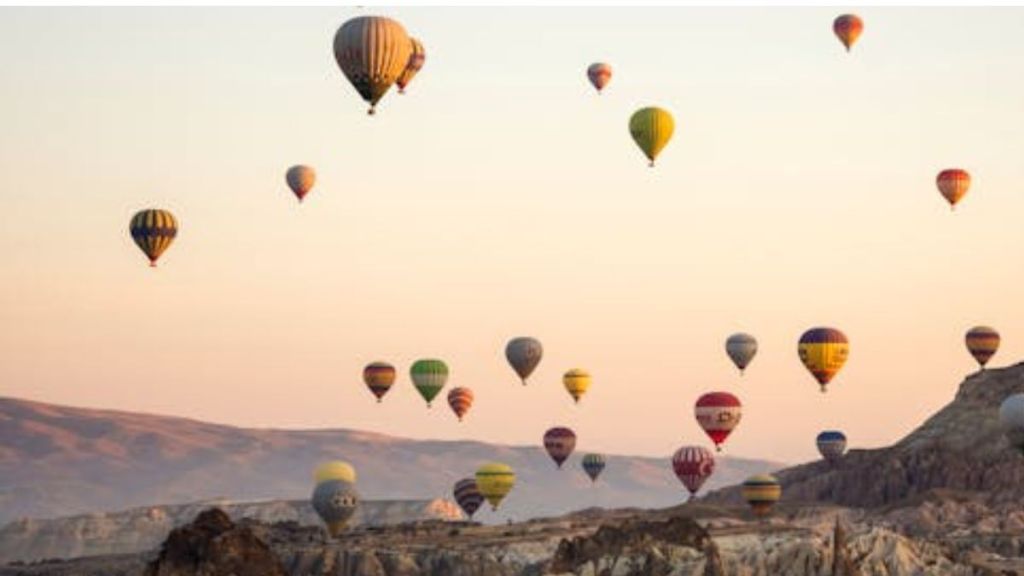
point(501, 197)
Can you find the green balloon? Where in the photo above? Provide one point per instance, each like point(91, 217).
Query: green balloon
point(429, 376)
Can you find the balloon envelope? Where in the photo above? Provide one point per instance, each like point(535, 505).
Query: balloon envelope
point(559, 443)
point(718, 413)
point(953, 185)
point(524, 354)
point(761, 492)
point(372, 51)
point(416, 60)
point(741, 349)
point(576, 382)
point(495, 481)
point(593, 465)
point(848, 28)
point(823, 352)
point(831, 445)
point(153, 230)
point(599, 74)
point(1011, 417)
point(693, 465)
point(467, 496)
point(982, 342)
point(334, 470)
point(651, 129)
point(460, 399)
point(429, 376)
point(301, 180)
point(379, 378)
point(335, 501)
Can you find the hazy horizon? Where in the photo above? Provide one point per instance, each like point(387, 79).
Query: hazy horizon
point(502, 197)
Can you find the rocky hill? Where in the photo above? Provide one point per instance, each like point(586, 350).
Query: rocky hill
point(143, 529)
point(59, 461)
point(960, 448)
point(690, 540)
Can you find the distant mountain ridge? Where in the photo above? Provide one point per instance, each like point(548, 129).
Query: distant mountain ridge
point(59, 461)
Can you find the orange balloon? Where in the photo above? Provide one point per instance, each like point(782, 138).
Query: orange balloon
point(848, 28)
point(953, 184)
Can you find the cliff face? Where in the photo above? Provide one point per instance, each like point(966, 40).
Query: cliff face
point(960, 448)
point(143, 529)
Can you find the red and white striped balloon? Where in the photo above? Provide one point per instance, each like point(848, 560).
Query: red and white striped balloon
point(718, 413)
point(693, 465)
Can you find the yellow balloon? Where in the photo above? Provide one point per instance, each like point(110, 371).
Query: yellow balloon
point(651, 129)
point(495, 480)
point(576, 382)
point(335, 470)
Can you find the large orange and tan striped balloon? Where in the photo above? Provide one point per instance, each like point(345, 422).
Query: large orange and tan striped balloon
point(953, 184)
point(416, 60)
point(372, 51)
point(153, 230)
point(848, 28)
point(461, 400)
point(982, 343)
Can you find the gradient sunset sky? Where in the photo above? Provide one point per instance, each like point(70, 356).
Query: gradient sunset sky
point(502, 197)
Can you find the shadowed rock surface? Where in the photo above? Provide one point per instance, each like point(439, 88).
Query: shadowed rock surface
point(213, 545)
point(960, 448)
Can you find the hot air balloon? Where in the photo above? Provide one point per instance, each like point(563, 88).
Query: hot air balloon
point(832, 445)
point(593, 465)
point(718, 413)
point(559, 442)
point(524, 354)
point(761, 492)
point(301, 180)
point(468, 496)
point(982, 343)
point(953, 184)
point(848, 28)
point(153, 230)
point(651, 129)
point(372, 51)
point(576, 382)
point(379, 377)
point(495, 481)
point(1011, 417)
point(823, 351)
point(693, 465)
point(599, 74)
point(416, 60)
point(335, 501)
point(460, 399)
point(741, 348)
point(429, 376)
point(335, 470)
